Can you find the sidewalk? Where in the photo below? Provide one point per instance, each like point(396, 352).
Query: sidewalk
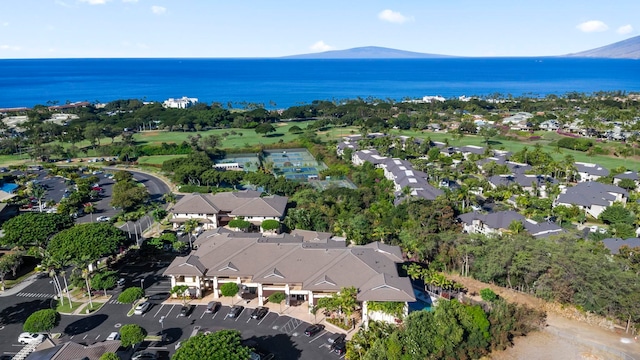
point(20, 286)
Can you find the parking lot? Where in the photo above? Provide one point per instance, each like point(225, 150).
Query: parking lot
point(281, 335)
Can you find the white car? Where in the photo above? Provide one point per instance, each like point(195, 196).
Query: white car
point(30, 338)
point(103, 219)
point(114, 336)
point(142, 308)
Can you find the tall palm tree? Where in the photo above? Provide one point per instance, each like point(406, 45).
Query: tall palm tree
point(189, 226)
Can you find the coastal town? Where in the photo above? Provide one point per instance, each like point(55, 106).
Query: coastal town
point(348, 229)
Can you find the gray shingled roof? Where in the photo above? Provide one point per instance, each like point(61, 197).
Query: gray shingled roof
point(195, 204)
point(591, 193)
point(591, 169)
point(627, 175)
point(614, 244)
point(74, 351)
point(497, 220)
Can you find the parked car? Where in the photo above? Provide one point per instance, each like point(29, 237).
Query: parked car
point(212, 307)
point(336, 338)
point(339, 348)
point(186, 310)
point(259, 312)
point(313, 329)
point(114, 336)
point(121, 281)
point(30, 338)
point(103, 219)
point(144, 355)
point(235, 311)
point(142, 308)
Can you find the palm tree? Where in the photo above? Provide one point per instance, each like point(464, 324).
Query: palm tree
point(189, 226)
point(39, 193)
point(85, 276)
point(89, 208)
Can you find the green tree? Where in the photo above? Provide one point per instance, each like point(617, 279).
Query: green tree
point(229, 289)
point(131, 334)
point(264, 129)
point(33, 229)
point(109, 356)
point(223, 344)
point(129, 295)
point(189, 227)
point(85, 243)
point(627, 184)
point(344, 302)
point(487, 132)
point(616, 214)
point(128, 195)
point(8, 263)
point(104, 280)
point(239, 224)
point(181, 291)
point(41, 321)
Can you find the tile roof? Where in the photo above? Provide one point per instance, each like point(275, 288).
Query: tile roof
point(591, 169)
point(237, 203)
point(627, 175)
point(591, 193)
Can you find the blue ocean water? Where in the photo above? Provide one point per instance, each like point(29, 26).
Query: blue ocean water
point(288, 82)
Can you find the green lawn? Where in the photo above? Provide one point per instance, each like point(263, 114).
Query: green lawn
point(156, 159)
point(66, 308)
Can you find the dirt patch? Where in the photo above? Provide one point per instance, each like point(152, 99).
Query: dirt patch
point(570, 334)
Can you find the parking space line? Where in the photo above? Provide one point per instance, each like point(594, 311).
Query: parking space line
point(249, 319)
point(170, 310)
point(157, 312)
point(203, 314)
point(263, 319)
point(214, 315)
point(97, 337)
point(317, 337)
point(85, 336)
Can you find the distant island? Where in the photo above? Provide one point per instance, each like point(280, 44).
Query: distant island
point(626, 49)
point(367, 52)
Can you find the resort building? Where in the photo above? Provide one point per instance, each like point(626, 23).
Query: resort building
point(216, 210)
point(499, 222)
point(182, 103)
point(304, 265)
point(592, 197)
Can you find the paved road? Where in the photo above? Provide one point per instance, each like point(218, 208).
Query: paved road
point(281, 335)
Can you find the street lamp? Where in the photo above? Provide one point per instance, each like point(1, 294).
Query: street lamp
point(162, 321)
point(142, 283)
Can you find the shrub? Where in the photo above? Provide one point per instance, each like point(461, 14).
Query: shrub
point(277, 297)
point(109, 356)
point(270, 225)
point(488, 295)
point(130, 295)
point(575, 144)
point(239, 224)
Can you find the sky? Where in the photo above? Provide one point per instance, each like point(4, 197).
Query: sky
point(261, 28)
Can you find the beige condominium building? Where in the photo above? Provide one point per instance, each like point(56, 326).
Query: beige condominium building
point(305, 265)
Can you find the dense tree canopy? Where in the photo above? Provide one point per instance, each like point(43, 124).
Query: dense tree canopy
point(223, 344)
point(33, 228)
point(131, 334)
point(84, 243)
point(41, 321)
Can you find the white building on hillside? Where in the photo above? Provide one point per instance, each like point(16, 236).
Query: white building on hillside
point(182, 103)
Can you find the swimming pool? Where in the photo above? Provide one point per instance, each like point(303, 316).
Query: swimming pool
point(423, 301)
point(9, 187)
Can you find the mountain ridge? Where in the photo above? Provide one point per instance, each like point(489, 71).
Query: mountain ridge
point(625, 49)
point(367, 52)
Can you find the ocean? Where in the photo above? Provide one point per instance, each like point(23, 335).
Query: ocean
point(280, 83)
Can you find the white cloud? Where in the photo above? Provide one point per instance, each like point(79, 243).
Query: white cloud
point(592, 26)
point(625, 29)
point(320, 46)
point(158, 10)
point(393, 17)
point(10, 48)
point(95, 2)
point(5, 24)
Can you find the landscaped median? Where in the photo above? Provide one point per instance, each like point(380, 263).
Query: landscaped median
point(135, 303)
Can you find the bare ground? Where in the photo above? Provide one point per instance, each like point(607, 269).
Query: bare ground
point(565, 337)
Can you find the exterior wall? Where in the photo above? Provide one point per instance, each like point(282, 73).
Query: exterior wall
point(212, 217)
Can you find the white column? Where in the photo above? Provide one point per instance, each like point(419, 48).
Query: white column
point(215, 287)
point(260, 300)
point(198, 287)
point(288, 295)
point(173, 282)
point(365, 315)
point(311, 301)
